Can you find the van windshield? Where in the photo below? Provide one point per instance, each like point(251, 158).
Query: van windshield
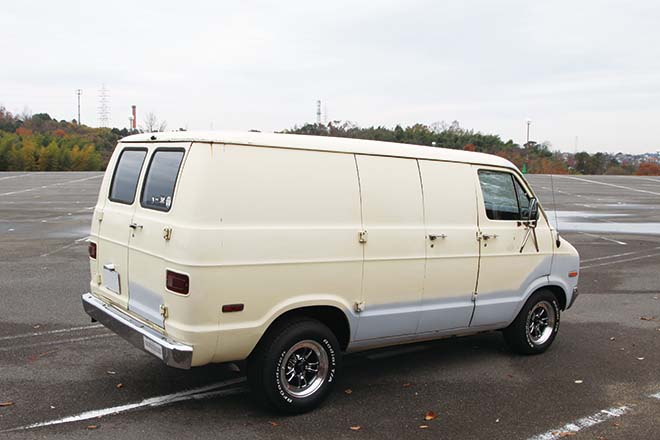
point(161, 177)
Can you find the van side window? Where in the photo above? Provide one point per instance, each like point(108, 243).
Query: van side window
point(161, 177)
point(500, 195)
point(127, 173)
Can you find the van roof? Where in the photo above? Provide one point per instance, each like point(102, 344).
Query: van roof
point(322, 143)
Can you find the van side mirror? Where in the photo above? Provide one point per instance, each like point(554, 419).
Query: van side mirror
point(533, 209)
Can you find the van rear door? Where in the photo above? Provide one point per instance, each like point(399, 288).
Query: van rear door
point(115, 218)
point(149, 233)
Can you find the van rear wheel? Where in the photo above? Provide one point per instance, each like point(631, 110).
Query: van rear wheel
point(536, 326)
point(293, 369)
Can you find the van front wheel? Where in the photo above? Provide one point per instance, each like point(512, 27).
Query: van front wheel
point(294, 368)
point(536, 326)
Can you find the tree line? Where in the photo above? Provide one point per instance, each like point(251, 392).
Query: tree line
point(532, 157)
point(41, 143)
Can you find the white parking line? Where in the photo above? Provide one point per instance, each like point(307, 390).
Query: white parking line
point(51, 332)
point(625, 254)
point(213, 390)
point(58, 342)
point(655, 396)
point(48, 186)
point(13, 177)
point(604, 238)
point(585, 422)
point(65, 247)
point(610, 184)
point(619, 261)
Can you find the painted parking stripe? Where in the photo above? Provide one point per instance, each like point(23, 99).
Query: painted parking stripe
point(218, 389)
point(620, 261)
point(604, 238)
point(65, 247)
point(611, 184)
point(48, 186)
point(51, 332)
point(655, 396)
point(57, 342)
point(585, 422)
point(13, 177)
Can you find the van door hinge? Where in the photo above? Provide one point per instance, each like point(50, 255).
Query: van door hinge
point(167, 233)
point(359, 306)
point(362, 236)
point(474, 297)
point(98, 279)
point(164, 312)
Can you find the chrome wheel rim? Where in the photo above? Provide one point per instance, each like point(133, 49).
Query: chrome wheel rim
point(304, 368)
point(541, 322)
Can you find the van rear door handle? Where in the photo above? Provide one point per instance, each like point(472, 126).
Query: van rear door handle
point(135, 226)
point(109, 266)
point(489, 236)
point(436, 236)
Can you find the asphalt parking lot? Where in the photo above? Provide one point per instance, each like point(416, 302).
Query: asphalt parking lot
point(63, 377)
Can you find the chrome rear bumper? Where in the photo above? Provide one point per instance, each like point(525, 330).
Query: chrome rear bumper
point(143, 337)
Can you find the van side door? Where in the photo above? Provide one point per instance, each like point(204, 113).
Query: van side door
point(394, 247)
point(452, 250)
point(506, 268)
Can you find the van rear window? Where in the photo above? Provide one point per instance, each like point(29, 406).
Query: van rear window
point(127, 173)
point(161, 178)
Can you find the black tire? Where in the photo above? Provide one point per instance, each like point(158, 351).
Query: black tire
point(527, 334)
point(271, 360)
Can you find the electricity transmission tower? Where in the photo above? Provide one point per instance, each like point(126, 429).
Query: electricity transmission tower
point(104, 107)
point(78, 93)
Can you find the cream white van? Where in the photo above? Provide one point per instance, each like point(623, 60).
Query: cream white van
point(288, 251)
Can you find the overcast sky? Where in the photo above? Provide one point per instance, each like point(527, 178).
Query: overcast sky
point(587, 68)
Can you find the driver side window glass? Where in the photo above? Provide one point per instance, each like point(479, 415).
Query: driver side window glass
point(523, 199)
point(500, 195)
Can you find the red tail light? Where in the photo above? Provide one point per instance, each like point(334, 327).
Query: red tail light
point(177, 282)
point(91, 249)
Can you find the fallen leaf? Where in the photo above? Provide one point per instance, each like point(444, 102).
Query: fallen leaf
point(6, 403)
point(111, 372)
point(348, 391)
point(119, 385)
point(566, 434)
point(355, 428)
point(616, 424)
point(647, 318)
point(497, 420)
point(612, 338)
point(579, 381)
point(430, 415)
point(92, 426)
point(408, 385)
point(640, 358)
point(36, 326)
point(423, 426)
point(274, 424)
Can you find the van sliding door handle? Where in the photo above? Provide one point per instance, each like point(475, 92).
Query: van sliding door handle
point(135, 226)
point(436, 236)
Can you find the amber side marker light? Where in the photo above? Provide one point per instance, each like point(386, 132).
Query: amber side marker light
point(573, 274)
point(227, 308)
point(177, 282)
point(91, 249)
